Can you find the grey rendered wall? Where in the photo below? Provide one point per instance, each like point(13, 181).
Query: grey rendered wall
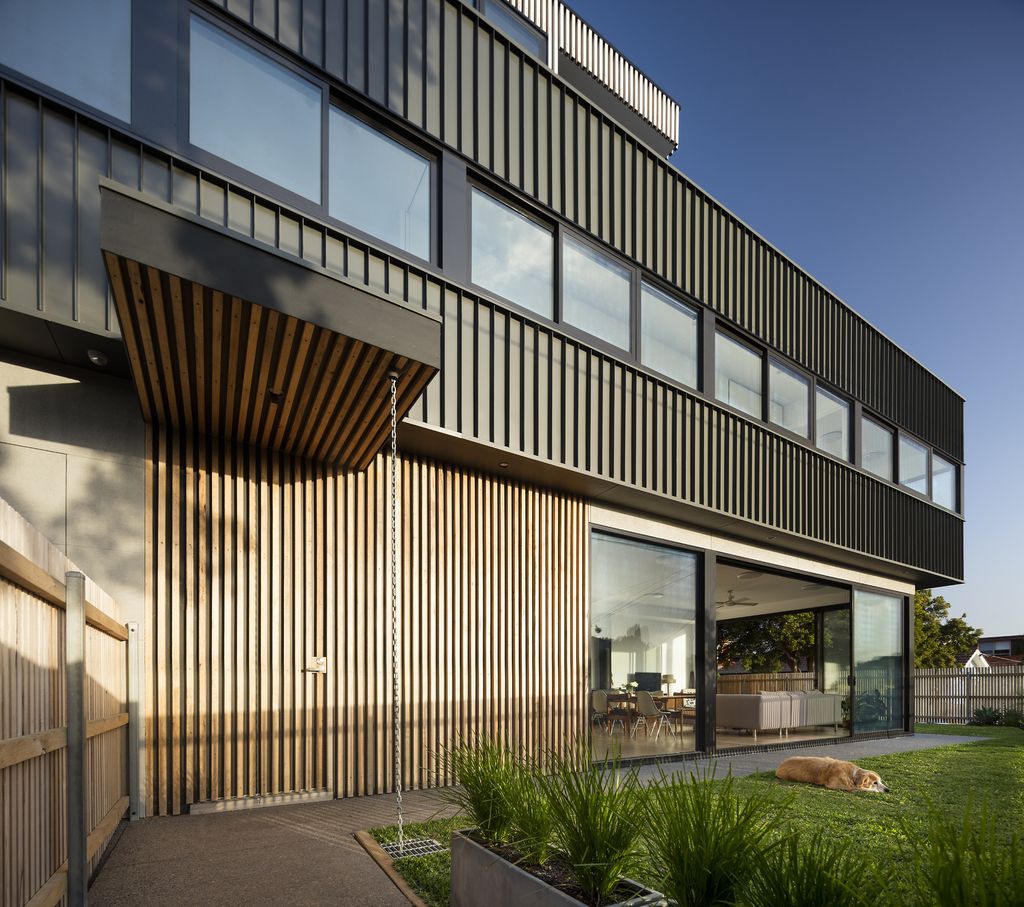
point(72, 449)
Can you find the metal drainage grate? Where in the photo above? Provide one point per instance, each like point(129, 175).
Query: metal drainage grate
point(417, 847)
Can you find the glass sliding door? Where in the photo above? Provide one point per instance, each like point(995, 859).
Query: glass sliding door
point(835, 656)
point(643, 647)
point(878, 666)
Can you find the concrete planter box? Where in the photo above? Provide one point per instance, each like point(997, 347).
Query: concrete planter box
point(481, 878)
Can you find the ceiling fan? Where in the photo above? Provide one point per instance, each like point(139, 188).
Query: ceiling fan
point(732, 601)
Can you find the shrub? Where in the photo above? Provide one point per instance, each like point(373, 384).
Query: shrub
point(704, 838)
point(1012, 718)
point(483, 769)
point(986, 716)
point(962, 863)
point(595, 812)
point(814, 873)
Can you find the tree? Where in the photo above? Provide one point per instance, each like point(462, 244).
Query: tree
point(767, 643)
point(940, 641)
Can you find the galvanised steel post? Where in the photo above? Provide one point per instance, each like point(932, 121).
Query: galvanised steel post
point(74, 672)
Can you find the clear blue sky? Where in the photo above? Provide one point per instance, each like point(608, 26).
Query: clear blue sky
point(881, 146)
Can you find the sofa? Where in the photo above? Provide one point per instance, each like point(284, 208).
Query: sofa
point(778, 711)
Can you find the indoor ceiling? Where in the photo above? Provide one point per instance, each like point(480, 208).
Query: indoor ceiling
point(773, 592)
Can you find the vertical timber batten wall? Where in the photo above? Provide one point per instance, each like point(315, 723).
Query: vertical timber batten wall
point(258, 561)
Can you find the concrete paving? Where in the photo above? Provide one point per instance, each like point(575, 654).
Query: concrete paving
point(304, 854)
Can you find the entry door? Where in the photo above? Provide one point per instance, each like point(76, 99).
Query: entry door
point(878, 669)
point(835, 655)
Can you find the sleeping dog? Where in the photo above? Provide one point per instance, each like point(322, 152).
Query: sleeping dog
point(831, 773)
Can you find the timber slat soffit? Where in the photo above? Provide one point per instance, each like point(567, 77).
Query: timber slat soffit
point(229, 338)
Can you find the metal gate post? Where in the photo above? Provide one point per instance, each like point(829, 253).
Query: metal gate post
point(77, 833)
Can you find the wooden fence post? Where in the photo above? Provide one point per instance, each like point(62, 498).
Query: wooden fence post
point(77, 833)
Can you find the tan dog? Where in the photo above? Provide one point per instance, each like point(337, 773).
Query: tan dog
point(831, 773)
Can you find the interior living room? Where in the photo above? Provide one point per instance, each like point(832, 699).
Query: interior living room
point(784, 657)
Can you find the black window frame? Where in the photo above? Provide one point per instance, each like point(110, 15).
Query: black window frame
point(674, 298)
point(359, 112)
point(762, 353)
point(510, 202)
point(213, 162)
point(786, 365)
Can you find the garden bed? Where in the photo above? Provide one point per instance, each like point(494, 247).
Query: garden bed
point(950, 780)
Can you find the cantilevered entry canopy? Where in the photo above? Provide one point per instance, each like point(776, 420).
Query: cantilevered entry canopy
point(228, 337)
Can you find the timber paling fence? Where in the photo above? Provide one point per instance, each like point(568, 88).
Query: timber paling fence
point(942, 695)
point(64, 767)
point(951, 695)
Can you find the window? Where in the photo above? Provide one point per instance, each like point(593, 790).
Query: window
point(943, 482)
point(643, 631)
point(738, 375)
point(512, 255)
point(379, 185)
point(595, 293)
point(80, 49)
point(913, 465)
point(668, 342)
point(876, 448)
point(789, 398)
point(252, 111)
point(832, 424)
point(514, 26)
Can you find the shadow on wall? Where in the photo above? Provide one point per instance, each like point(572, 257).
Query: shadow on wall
point(76, 414)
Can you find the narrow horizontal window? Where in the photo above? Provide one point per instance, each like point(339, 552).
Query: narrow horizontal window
point(512, 255)
point(943, 482)
point(668, 336)
point(876, 448)
point(913, 465)
point(738, 375)
point(514, 26)
point(832, 424)
point(595, 293)
point(256, 113)
point(790, 398)
point(379, 185)
point(81, 49)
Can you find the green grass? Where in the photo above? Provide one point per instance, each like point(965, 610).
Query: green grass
point(951, 778)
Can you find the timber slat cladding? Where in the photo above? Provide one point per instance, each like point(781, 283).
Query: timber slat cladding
point(262, 560)
point(216, 364)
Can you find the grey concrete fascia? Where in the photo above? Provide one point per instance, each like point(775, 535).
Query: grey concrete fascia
point(162, 237)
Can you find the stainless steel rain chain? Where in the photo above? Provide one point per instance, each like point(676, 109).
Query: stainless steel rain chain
point(395, 666)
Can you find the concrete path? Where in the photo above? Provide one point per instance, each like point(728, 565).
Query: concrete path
point(305, 854)
point(749, 763)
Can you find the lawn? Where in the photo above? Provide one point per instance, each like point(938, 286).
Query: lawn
point(952, 778)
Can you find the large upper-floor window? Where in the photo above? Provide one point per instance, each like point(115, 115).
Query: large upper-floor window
point(789, 396)
point(252, 111)
point(81, 49)
point(668, 335)
point(943, 482)
point(913, 461)
point(738, 375)
point(596, 292)
point(832, 423)
point(379, 185)
point(876, 448)
point(512, 255)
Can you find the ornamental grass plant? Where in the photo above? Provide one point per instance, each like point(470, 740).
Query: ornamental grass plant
point(483, 769)
point(597, 811)
point(801, 872)
point(961, 862)
point(703, 838)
